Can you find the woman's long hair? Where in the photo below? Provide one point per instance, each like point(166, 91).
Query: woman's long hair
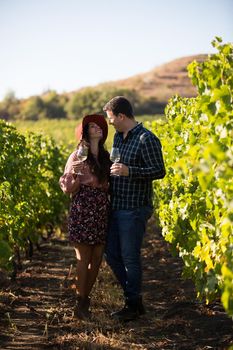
point(99, 167)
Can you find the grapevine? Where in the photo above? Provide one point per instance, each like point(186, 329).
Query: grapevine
point(30, 197)
point(196, 197)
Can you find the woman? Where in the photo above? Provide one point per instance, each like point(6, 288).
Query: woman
point(87, 222)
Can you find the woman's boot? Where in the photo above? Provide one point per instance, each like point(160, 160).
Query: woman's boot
point(81, 309)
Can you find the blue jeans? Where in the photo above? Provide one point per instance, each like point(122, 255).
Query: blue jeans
point(123, 247)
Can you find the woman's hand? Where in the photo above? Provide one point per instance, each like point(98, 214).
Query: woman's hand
point(77, 166)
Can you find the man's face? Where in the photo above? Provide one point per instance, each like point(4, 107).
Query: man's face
point(114, 120)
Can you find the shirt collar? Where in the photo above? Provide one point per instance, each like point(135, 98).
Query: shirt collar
point(134, 130)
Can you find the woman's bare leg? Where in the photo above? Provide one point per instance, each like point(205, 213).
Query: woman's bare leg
point(96, 258)
point(83, 255)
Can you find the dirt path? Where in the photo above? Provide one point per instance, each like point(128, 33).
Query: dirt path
point(36, 311)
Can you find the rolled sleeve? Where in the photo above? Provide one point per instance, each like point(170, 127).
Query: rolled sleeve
point(68, 183)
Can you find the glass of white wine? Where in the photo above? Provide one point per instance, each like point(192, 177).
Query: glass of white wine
point(115, 155)
point(81, 154)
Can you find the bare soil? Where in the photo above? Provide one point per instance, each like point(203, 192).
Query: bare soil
point(36, 311)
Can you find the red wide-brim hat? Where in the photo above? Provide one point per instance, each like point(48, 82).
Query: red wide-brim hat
point(94, 118)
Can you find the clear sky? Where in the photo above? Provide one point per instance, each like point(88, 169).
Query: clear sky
point(68, 44)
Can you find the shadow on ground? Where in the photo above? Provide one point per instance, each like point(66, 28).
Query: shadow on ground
point(36, 311)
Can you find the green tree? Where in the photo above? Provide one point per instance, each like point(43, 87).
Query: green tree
point(92, 100)
point(9, 106)
point(54, 105)
point(33, 109)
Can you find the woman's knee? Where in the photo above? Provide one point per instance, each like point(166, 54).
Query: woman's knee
point(83, 253)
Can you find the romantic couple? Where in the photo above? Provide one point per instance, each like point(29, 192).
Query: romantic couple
point(115, 228)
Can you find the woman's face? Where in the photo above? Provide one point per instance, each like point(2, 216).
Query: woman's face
point(94, 131)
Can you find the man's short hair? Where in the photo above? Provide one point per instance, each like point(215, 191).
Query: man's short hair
point(119, 104)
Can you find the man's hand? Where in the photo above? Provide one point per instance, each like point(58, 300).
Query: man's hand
point(119, 169)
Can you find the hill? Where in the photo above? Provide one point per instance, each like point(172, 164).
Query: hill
point(163, 81)
point(149, 93)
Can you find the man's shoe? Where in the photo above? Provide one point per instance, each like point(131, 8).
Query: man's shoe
point(126, 314)
point(131, 311)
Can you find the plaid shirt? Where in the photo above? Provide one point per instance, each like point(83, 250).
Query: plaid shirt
point(141, 152)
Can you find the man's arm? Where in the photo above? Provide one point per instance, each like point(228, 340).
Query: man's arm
point(152, 159)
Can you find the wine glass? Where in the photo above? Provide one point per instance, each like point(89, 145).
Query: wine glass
point(115, 155)
point(81, 154)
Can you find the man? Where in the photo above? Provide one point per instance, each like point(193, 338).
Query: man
point(141, 162)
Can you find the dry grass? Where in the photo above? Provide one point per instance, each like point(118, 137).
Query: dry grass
point(36, 311)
